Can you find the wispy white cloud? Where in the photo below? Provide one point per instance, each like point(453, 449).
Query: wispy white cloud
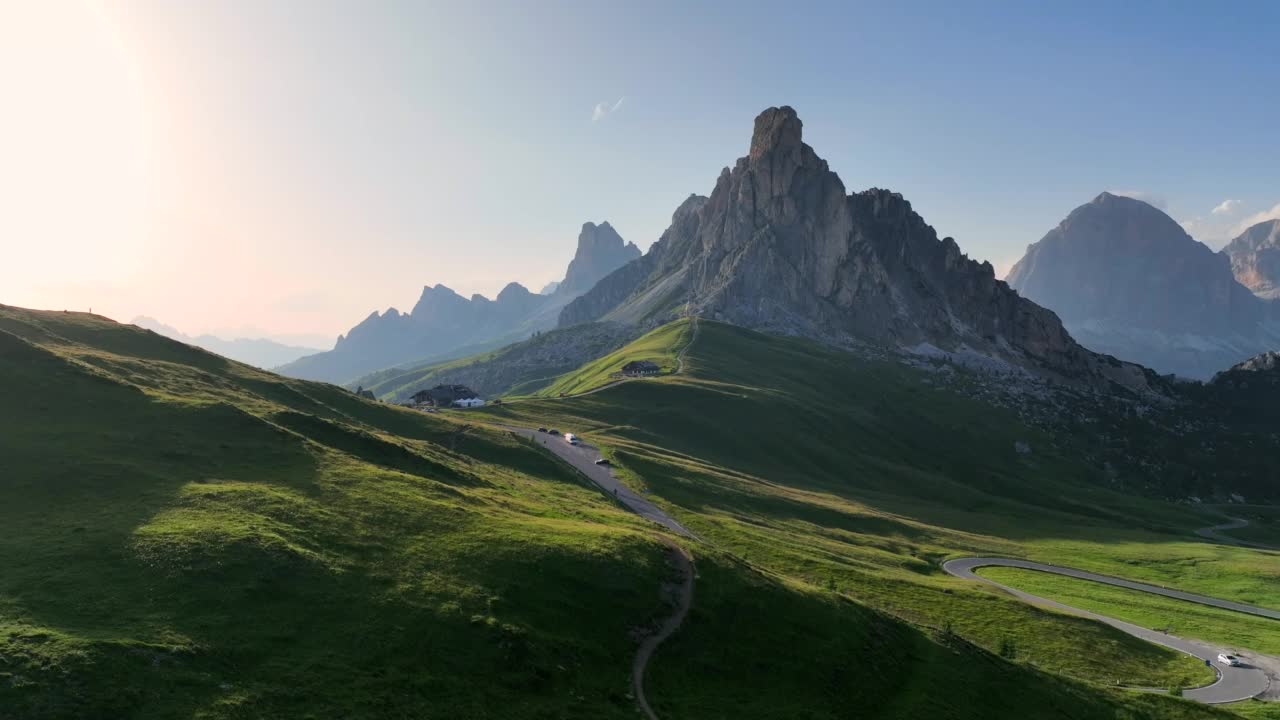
point(1149, 198)
point(1226, 207)
point(605, 109)
point(1254, 219)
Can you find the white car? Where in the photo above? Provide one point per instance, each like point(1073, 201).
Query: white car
point(1228, 659)
point(573, 439)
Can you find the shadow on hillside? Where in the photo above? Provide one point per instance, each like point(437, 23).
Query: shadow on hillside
point(752, 643)
point(773, 508)
point(371, 448)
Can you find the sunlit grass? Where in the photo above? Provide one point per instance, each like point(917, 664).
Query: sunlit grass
point(188, 537)
point(1225, 627)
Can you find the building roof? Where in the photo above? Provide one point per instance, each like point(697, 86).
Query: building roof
point(640, 365)
point(446, 392)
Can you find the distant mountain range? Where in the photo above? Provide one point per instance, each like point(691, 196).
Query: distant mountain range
point(1127, 280)
point(779, 246)
point(444, 324)
point(265, 353)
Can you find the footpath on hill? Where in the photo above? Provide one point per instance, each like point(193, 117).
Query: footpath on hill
point(682, 561)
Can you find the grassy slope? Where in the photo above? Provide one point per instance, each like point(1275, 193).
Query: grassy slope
point(661, 346)
point(1264, 523)
point(1230, 629)
point(189, 537)
point(856, 478)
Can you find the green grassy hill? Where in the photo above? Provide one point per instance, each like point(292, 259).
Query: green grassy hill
point(188, 537)
point(661, 346)
point(855, 478)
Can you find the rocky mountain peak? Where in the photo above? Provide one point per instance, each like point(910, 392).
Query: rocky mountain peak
point(1128, 280)
point(601, 250)
point(779, 246)
point(513, 291)
point(777, 129)
point(442, 321)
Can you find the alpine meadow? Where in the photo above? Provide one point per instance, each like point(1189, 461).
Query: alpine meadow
point(695, 409)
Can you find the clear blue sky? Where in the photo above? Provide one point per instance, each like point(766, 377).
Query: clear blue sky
point(341, 155)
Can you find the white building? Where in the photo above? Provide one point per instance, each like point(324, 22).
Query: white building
point(469, 402)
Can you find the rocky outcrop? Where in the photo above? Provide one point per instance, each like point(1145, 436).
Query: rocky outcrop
point(608, 295)
point(601, 250)
point(443, 324)
point(1253, 383)
point(779, 246)
point(1266, 362)
point(1255, 259)
point(1129, 281)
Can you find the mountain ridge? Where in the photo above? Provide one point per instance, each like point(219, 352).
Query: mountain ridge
point(263, 353)
point(779, 246)
point(442, 322)
point(1128, 280)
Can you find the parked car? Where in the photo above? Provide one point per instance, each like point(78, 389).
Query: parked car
point(542, 429)
point(553, 431)
point(604, 461)
point(1228, 659)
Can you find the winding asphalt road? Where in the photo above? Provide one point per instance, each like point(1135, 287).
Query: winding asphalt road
point(1214, 533)
point(1233, 683)
point(583, 457)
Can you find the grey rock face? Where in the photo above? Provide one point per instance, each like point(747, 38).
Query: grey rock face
point(779, 246)
point(601, 250)
point(611, 291)
point(1129, 281)
point(1255, 259)
point(1267, 361)
point(1254, 382)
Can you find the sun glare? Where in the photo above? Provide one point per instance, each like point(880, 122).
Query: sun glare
point(73, 174)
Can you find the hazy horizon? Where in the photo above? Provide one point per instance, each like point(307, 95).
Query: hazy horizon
point(290, 167)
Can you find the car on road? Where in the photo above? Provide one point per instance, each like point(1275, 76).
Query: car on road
point(553, 431)
point(604, 461)
point(571, 438)
point(1228, 659)
point(542, 429)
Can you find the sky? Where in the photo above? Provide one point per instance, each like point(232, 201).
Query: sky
point(277, 167)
